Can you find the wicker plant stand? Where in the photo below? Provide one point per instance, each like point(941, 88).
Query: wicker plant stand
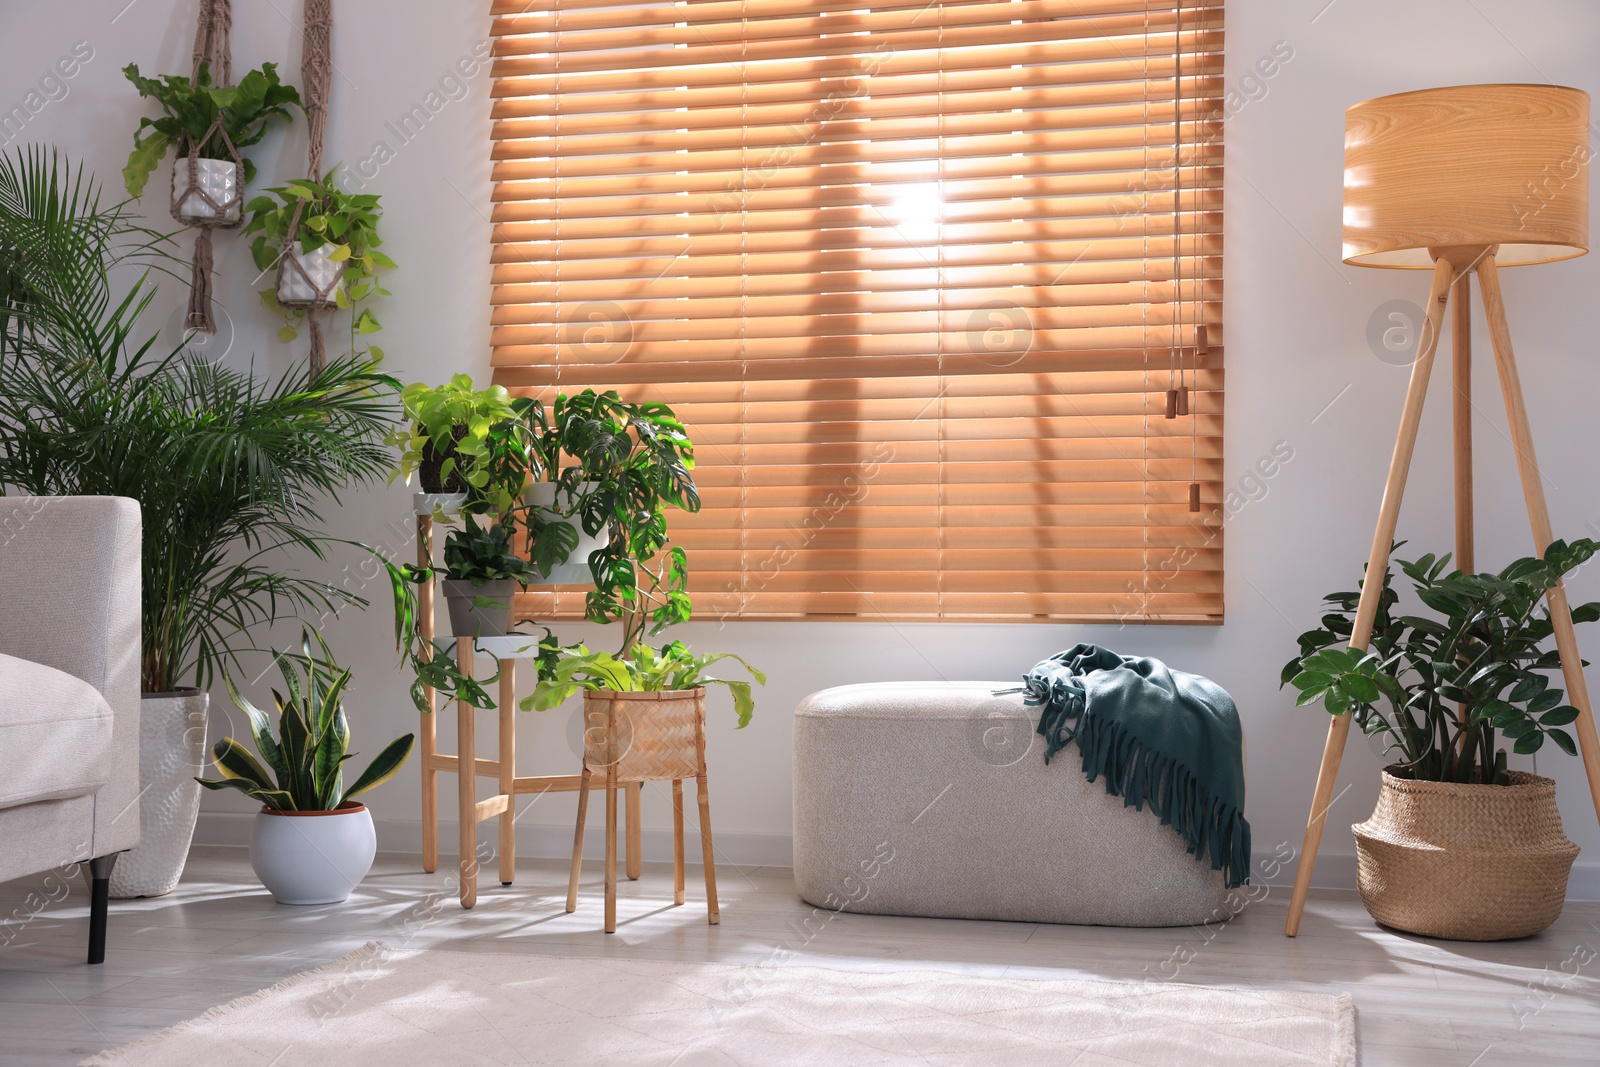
point(644, 737)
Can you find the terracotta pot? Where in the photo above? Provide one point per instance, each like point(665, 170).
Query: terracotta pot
point(1464, 862)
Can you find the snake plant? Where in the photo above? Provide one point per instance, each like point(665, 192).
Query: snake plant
point(304, 768)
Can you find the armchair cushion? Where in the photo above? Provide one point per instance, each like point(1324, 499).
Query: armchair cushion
point(55, 734)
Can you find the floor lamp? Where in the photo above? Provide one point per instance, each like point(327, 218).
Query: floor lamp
point(1462, 180)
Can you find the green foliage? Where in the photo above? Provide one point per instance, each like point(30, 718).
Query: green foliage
point(479, 432)
point(329, 215)
point(228, 470)
point(432, 665)
point(1438, 689)
point(643, 670)
point(304, 764)
point(627, 463)
point(192, 107)
point(476, 554)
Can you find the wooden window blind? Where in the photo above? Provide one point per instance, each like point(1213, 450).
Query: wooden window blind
point(920, 277)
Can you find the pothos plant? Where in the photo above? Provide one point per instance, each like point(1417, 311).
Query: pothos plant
point(328, 216)
point(1440, 691)
point(644, 669)
point(191, 108)
point(617, 465)
point(478, 436)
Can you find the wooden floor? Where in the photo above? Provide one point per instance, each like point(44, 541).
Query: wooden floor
point(221, 936)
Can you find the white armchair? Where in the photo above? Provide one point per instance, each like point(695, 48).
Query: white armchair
point(69, 689)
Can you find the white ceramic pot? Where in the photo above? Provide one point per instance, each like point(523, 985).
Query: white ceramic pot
point(220, 179)
point(575, 571)
point(428, 503)
point(172, 752)
point(313, 857)
point(317, 281)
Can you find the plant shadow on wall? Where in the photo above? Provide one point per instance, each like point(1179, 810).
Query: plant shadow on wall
point(228, 470)
point(1460, 846)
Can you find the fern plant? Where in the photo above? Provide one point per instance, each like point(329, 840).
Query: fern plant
point(304, 763)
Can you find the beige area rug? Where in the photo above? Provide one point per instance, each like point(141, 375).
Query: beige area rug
point(389, 1009)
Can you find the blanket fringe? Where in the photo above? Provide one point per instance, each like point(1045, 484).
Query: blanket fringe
point(1210, 828)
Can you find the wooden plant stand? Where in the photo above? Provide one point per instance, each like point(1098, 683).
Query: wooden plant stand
point(502, 769)
point(632, 738)
point(1453, 270)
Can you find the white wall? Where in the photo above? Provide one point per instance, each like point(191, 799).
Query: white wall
point(1296, 324)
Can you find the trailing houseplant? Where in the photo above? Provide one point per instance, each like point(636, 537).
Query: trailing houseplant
point(459, 439)
point(1441, 692)
point(228, 469)
point(333, 257)
point(300, 771)
point(191, 108)
point(609, 468)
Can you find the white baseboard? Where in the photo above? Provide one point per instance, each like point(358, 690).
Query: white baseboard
point(534, 841)
point(1335, 870)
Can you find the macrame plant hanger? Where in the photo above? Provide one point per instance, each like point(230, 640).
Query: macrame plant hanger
point(212, 49)
point(316, 78)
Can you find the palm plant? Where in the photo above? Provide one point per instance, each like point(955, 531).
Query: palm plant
point(227, 470)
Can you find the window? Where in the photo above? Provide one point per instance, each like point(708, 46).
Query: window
point(922, 278)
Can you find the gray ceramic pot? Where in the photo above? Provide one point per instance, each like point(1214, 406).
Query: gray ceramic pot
point(480, 610)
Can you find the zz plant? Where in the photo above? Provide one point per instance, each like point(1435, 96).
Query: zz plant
point(1441, 691)
point(302, 767)
point(191, 107)
point(328, 216)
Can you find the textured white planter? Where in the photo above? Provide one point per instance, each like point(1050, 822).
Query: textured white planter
point(575, 571)
point(220, 180)
point(313, 857)
point(172, 751)
point(294, 288)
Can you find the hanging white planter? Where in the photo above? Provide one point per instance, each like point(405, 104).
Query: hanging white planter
point(309, 280)
point(214, 198)
point(542, 495)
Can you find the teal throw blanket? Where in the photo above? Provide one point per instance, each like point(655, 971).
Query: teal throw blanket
point(1161, 737)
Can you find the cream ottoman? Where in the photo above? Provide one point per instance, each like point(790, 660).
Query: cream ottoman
point(933, 798)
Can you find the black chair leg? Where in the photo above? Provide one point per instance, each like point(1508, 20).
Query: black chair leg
point(99, 904)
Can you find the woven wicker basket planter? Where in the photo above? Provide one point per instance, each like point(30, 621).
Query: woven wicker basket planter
point(1464, 862)
point(648, 736)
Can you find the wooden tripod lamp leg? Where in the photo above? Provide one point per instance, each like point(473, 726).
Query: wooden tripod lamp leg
point(1539, 518)
point(1461, 409)
point(1377, 563)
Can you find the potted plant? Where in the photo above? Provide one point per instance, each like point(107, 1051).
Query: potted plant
point(447, 442)
point(483, 572)
point(670, 669)
point(1459, 846)
point(609, 468)
point(210, 124)
point(228, 469)
point(324, 243)
point(312, 842)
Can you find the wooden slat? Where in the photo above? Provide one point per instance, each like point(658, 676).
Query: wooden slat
point(916, 279)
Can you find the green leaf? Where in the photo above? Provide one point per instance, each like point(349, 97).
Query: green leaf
point(1528, 744)
point(383, 766)
point(235, 761)
point(142, 161)
point(1564, 741)
point(1360, 688)
point(287, 333)
point(1559, 716)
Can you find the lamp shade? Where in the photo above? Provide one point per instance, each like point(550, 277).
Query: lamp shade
point(1467, 165)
